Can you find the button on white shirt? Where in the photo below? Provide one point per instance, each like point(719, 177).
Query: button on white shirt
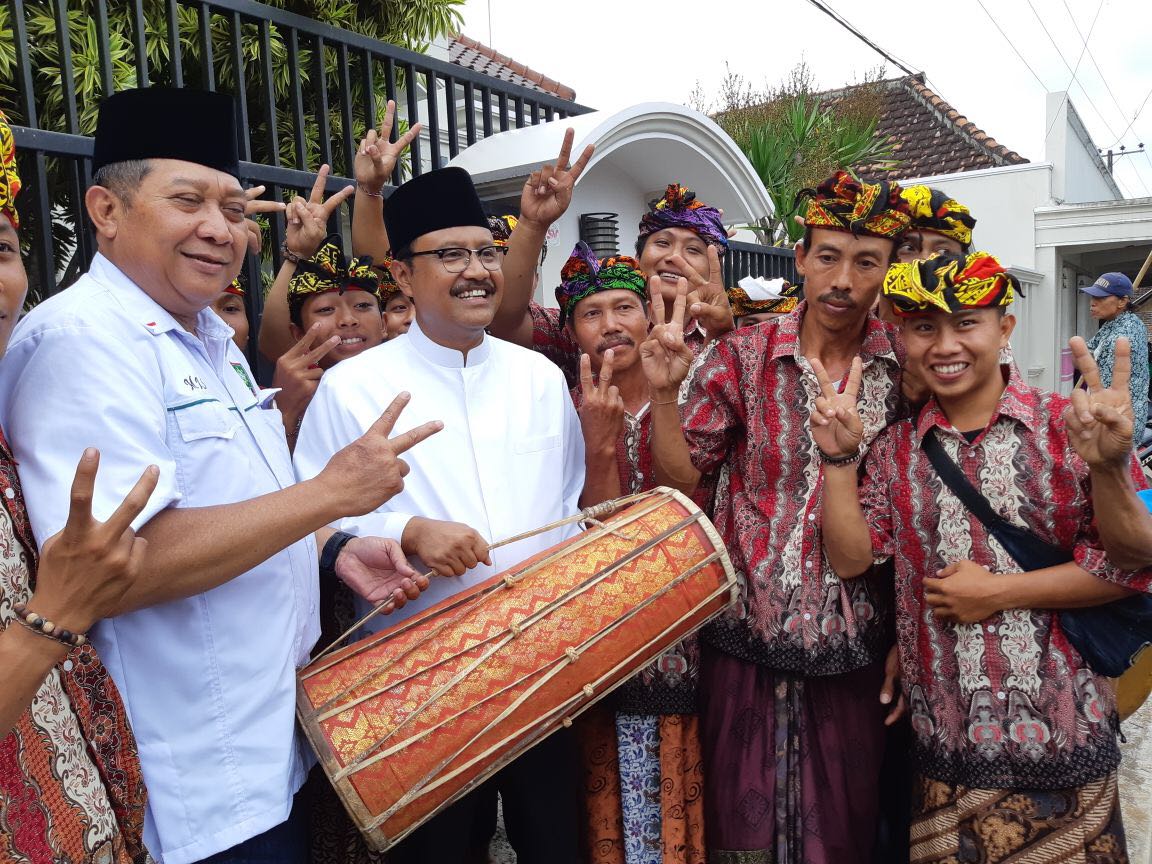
point(208, 681)
point(509, 459)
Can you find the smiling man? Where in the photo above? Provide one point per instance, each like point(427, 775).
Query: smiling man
point(510, 459)
point(790, 719)
point(132, 360)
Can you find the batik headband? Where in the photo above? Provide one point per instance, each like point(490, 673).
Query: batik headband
point(584, 275)
point(933, 210)
point(234, 287)
point(9, 177)
point(949, 283)
point(680, 209)
point(843, 203)
point(752, 296)
point(328, 270)
point(388, 284)
point(502, 227)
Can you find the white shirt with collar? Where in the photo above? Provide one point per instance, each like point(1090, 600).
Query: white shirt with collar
point(208, 681)
point(509, 459)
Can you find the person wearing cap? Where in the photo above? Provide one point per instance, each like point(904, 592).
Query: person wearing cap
point(1015, 737)
point(642, 754)
point(756, 300)
point(131, 360)
point(1111, 298)
point(792, 678)
point(70, 782)
point(510, 459)
point(679, 237)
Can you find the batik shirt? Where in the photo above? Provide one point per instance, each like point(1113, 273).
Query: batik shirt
point(667, 685)
point(556, 343)
point(1006, 702)
point(1103, 348)
point(745, 411)
point(70, 783)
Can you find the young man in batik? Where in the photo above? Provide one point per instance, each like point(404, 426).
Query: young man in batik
point(642, 760)
point(1015, 736)
point(792, 725)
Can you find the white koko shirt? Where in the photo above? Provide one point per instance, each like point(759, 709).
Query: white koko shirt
point(208, 681)
point(509, 459)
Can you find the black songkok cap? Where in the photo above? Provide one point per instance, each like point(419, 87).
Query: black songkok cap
point(445, 198)
point(168, 123)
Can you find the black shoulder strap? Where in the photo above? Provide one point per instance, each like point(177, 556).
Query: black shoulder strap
point(955, 480)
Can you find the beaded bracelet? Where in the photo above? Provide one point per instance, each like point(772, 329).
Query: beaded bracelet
point(288, 255)
point(846, 459)
point(375, 193)
point(40, 625)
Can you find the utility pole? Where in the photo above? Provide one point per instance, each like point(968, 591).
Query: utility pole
point(1112, 155)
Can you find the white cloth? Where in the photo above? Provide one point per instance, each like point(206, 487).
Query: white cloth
point(208, 681)
point(509, 459)
point(759, 289)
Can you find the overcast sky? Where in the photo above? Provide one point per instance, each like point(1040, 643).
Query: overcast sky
point(616, 53)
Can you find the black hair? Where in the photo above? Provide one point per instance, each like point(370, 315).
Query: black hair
point(296, 306)
point(807, 241)
point(122, 179)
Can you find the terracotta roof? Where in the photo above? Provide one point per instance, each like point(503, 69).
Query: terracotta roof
point(488, 61)
point(929, 135)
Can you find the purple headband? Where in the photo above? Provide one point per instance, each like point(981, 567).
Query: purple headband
point(680, 209)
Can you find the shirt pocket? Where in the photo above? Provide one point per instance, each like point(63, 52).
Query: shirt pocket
point(535, 444)
point(197, 421)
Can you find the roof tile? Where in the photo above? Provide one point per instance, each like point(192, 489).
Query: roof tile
point(477, 56)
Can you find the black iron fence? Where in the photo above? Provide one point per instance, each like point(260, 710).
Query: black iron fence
point(305, 94)
point(750, 259)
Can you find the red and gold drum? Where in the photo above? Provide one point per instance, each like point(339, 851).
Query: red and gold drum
point(412, 718)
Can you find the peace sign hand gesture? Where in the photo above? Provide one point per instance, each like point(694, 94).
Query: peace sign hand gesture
point(707, 297)
point(602, 408)
point(836, 426)
point(377, 156)
point(1099, 419)
point(548, 191)
point(308, 219)
point(663, 355)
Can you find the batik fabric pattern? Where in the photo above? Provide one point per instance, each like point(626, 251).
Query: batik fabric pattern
point(745, 412)
point(963, 825)
point(9, 176)
point(644, 774)
point(933, 210)
point(948, 284)
point(843, 203)
point(554, 341)
point(1103, 348)
point(1006, 703)
point(70, 783)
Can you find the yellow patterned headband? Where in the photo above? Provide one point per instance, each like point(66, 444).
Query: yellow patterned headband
point(932, 210)
point(9, 177)
point(328, 270)
point(949, 283)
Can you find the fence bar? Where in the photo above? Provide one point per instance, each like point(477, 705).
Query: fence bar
point(349, 136)
point(367, 82)
point(502, 103)
point(23, 62)
point(413, 118)
point(297, 96)
point(174, 58)
point(207, 54)
point(141, 42)
point(42, 244)
point(430, 90)
point(241, 86)
point(320, 80)
point(104, 45)
point(269, 94)
point(68, 80)
point(450, 111)
point(486, 95)
point(470, 112)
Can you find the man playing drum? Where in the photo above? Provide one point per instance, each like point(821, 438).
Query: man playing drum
point(510, 458)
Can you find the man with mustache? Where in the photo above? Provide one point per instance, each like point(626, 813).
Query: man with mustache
point(792, 730)
point(647, 737)
point(511, 458)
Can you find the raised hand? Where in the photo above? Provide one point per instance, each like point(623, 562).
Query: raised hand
point(298, 376)
point(87, 568)
point(663, 355)
point(602, 409)
point(449, 548)
point(253, 206)
point(369, 471)
point(1099, 420)
point(548, 191)
point(836, 425)
point(377, 156)
point(707, 297)
point(307, 219)
point(377, 570)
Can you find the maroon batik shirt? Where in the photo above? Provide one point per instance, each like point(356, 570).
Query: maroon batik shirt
point(745, 411)
point(1006, 702)
point(556, 343)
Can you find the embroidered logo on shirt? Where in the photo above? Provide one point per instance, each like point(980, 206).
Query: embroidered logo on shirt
point(243, 373)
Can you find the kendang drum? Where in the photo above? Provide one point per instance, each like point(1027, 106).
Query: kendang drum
point(412, 718)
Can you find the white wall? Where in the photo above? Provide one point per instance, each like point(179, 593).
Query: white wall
point(1079, 175)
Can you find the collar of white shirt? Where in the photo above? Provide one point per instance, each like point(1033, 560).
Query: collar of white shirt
point(449, 358)
point(139, 306)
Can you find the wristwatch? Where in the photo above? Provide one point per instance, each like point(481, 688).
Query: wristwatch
point(331, 552)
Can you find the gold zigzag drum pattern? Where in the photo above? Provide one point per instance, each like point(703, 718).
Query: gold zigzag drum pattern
point(409, 720)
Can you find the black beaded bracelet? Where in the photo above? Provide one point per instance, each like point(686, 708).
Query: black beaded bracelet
point(41, 626)
point(846, 459)
point(288, 255)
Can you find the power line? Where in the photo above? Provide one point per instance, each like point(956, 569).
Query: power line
point(1012, 45)
point(1092, 57)
point(1079, 60)
point(839, 19)
point(1135, 117)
